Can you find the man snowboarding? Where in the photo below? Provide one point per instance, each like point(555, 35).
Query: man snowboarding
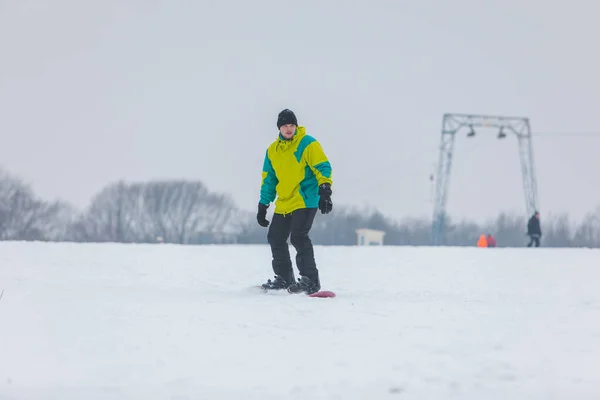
point(297, 171)
point(533, 230)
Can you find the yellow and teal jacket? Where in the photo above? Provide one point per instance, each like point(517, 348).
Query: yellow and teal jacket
point(293, 170)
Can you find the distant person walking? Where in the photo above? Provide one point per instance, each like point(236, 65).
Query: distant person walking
point(491, 241)
point(482, 242)
point(533, 230)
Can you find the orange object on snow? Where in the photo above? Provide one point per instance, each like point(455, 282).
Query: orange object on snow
point(482, 242)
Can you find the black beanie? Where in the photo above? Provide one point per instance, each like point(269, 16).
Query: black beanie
point(286, 117)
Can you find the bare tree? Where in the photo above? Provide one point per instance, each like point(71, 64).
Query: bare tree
point(588, 233)
point(557, 231)
point(463, 233)
point(509, 230)
point(108, 216)
point(178, 211)
point(410, 232)
point(25, 217)
point(247, 229)
point(174, 211)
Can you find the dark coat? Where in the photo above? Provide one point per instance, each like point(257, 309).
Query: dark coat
point(533, 226)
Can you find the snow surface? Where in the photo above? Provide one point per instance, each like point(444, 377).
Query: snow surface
point(109, 321)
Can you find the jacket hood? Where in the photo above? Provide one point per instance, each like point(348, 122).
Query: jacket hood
point(284, 144)
point(299, 134)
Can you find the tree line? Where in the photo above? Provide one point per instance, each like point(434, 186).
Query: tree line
point(187, 212)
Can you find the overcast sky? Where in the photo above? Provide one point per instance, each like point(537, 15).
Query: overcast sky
point(93, 92)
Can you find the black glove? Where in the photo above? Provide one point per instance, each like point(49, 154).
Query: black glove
point(325, 204)
point(261, 216)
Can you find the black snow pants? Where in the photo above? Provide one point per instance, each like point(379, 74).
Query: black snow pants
point(534, 239)
point(296, 226)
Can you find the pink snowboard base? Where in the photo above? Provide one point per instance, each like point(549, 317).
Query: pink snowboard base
point(322, 293)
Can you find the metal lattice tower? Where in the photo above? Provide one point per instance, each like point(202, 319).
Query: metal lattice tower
point(451, 125)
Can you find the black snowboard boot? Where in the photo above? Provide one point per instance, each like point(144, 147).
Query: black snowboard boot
point(305, 285)
point(277, 284)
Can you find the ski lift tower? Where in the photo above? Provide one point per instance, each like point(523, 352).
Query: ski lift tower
point(451, 125)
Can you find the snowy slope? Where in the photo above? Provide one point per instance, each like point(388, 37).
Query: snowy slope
point(108, 321)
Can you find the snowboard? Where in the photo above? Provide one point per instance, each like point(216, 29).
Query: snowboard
point(319, 294)
point(323, 294)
